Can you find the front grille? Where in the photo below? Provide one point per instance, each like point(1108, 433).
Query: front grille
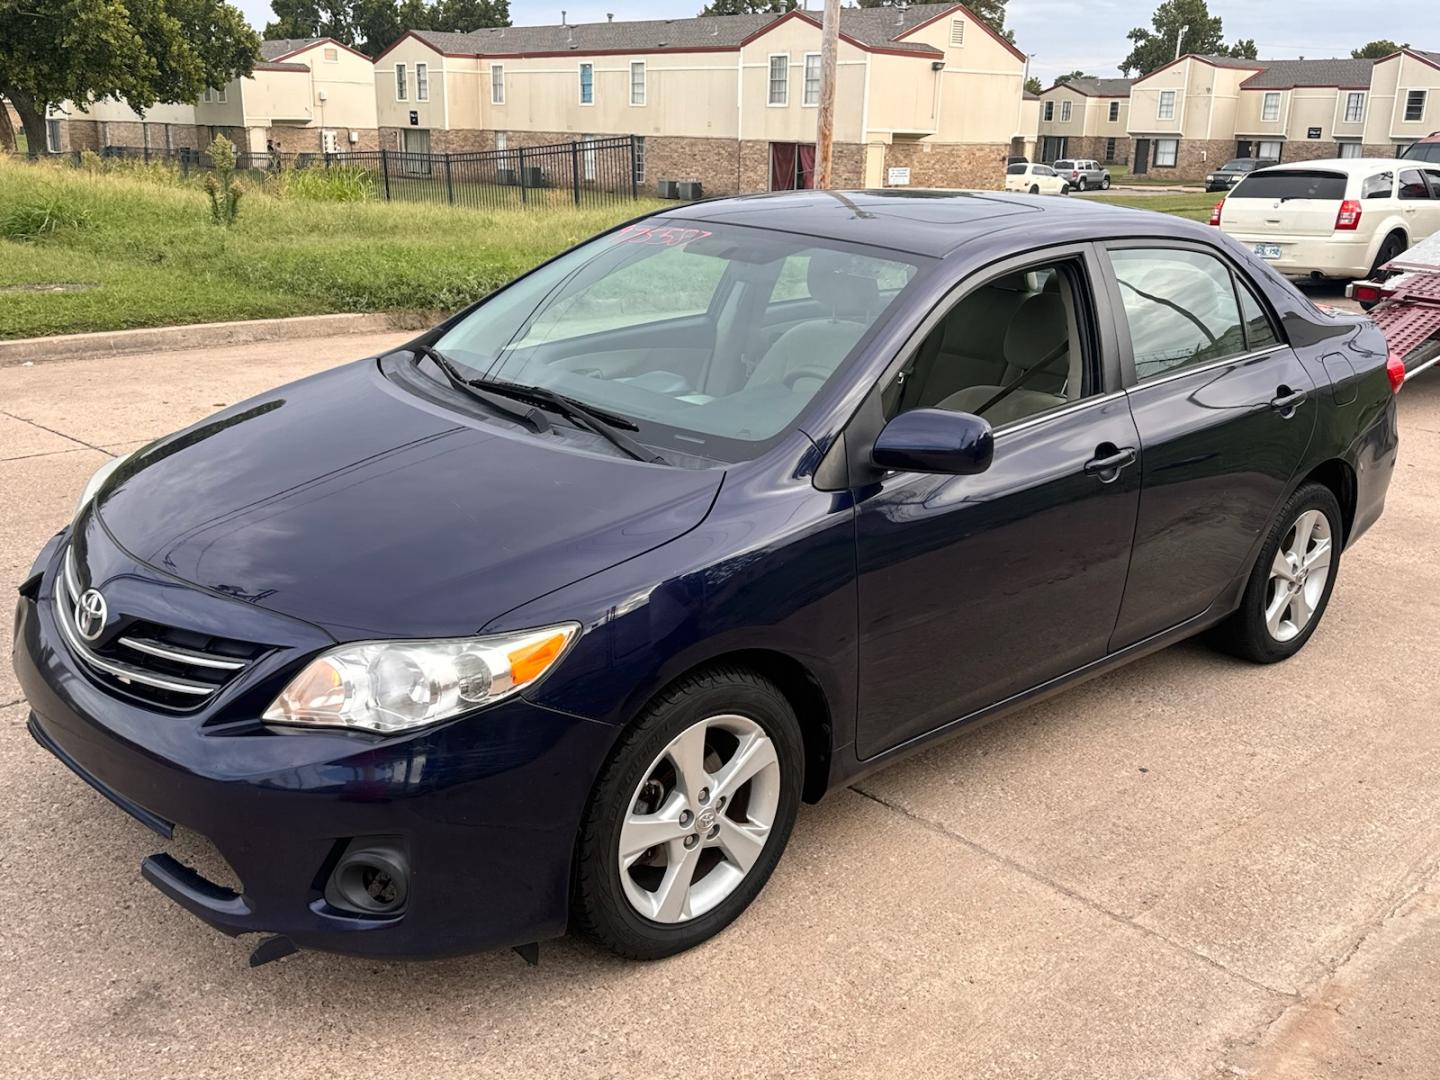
point(159, 665)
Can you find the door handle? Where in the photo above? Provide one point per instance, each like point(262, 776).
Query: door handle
point(1109, 461)
point(1287, 401)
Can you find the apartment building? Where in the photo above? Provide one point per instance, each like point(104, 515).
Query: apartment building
point(1086, 118)
point(1299, 110)
point(1404, 101)
point(926, 95)
point(1182, 115)
point(304, 96)
point(108, 122)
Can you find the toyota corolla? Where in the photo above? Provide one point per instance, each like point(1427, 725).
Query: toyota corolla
point(553, 617)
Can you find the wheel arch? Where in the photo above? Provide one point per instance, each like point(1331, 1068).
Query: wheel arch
point(1337, 475)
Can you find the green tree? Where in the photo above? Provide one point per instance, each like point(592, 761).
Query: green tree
point(1034, 85)
point(1203, 34)
point(1245, 49)
point(748, 7)
point(139, 52)
point(1076, 74)
point(1374, 50)
point(462, 16)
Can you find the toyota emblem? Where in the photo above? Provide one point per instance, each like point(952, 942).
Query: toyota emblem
point(90, 614)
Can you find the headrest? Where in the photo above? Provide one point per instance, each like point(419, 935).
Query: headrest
point(1037, 329)
point(839, 291)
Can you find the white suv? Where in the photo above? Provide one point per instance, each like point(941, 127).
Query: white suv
point(1337, 218)
point(1036, 179)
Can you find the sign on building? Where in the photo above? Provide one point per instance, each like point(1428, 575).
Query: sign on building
point(898, 176)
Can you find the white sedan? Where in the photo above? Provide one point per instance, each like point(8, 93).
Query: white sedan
point(1036, 179)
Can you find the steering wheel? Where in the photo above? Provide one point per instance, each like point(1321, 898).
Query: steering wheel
point(805, 371)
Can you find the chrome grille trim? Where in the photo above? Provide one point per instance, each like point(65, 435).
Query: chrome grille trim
point(123, 671)
point(179, 655)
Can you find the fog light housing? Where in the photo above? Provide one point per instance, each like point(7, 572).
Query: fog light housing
point(372, 877)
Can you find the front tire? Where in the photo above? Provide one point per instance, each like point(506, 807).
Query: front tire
point(1290, 586)
point(1105, 182)
point(690, 815)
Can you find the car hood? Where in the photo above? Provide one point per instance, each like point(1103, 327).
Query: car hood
point(354, 505)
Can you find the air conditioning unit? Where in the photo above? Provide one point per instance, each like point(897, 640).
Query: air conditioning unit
point(534, 176)
point(667, 189)
point(507, 177)
point(691, 190)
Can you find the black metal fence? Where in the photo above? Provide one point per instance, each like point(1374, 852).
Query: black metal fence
point(586, 172)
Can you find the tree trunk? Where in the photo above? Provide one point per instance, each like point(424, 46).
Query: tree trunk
point(7, 130)
point(32, 119)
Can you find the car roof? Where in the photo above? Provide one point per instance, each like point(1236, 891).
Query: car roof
point(933, 222)
point(1351, 166)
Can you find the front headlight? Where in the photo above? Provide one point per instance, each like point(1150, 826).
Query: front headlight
point(390, 686)
point(97, 480)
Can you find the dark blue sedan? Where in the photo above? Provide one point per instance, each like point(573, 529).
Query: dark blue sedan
point(553, 617)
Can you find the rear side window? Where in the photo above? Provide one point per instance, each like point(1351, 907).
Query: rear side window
point(1016, 170)
point(1181, 309)
point(1259, 333)
point(1044, 170)
point(1377, 186)
point(1292, 184)
point(1412, 185)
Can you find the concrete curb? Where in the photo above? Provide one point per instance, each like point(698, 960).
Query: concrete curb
point(203, 335)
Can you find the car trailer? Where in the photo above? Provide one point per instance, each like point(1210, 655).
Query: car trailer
point(1404, 300)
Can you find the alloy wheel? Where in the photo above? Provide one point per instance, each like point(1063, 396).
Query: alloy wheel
point(699, 819)
point(1298, 575)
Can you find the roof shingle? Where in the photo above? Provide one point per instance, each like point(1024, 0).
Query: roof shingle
point(276, 47)
point(1092, 87)
point(1284, 74)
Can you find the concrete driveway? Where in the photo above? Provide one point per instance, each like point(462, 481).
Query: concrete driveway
point(1190, 868)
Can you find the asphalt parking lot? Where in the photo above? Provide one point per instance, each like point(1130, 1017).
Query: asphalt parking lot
point(1190, 868)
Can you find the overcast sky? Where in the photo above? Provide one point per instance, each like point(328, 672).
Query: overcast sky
point(1087, 34)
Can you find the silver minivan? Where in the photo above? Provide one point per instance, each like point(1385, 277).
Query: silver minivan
point(1083, 173)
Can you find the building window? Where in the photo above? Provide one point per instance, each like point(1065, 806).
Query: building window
point(1064, 112)
point(1354, 108)
point(331, 55)
point(1114, 111)
point(780, 79)
point(1270, 110)
point(812, 79)
point(587, 154)
point(502, 140)
point(497, 84)
point(1167, 106)
point(401, 93)
point(1269, 150)
point(639, 141)
point(1414, 106)
point(637, 82)
point(587, 84)
point(1166, 151)
point(422, 82)
point(1049, 111)
point(52, 136)
point(208, 96)
point(220, 96)
point(1109, 149)
point(1351, 150)
point(957, 32)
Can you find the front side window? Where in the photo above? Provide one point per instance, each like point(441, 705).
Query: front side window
point(1049, 110)
point(587, 84)
point(497, 84)
point(779, 79)
point(422, 82)
point(1271, 109)
point(1114, 111)
point(642, 322)
point(1180, 307)
point(1412, 185)
point(637, 82)
point(1167, 105)
point(1065, 112)
point(1014, 348)
point(812, 79)
point(1354, 107)
point(401, 92)
point(1414, 106)
point(1167, 151)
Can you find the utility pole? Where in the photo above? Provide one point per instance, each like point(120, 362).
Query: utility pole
point(825, 122)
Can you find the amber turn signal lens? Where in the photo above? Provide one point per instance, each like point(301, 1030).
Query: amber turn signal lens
point(528, 662)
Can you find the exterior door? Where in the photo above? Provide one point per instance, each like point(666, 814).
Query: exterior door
point(1243, 148)
point(973, 589)
point(416, 158)
point(1054, 149)
point(1225, 412)
point(1142, 156)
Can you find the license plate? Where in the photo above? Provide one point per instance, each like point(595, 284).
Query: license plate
point(1268, 251)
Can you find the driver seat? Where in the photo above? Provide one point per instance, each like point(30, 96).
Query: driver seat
point(820, 344)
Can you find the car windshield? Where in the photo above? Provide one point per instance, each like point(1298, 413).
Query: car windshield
point(1237, 165)
point(1291, 184)
point(1017, 170)
point(711, 338)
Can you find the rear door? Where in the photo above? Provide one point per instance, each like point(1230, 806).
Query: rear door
point(1285, 204)
point(1417, 204)
point(1225, 411)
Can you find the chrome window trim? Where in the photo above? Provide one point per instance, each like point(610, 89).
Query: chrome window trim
point(180, 656)
point(1224, 361)
point(1028, 422)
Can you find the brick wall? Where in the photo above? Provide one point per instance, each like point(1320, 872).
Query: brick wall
point(1193, 159)
point(1309, 150)
point(79, 135)
point(950, 165)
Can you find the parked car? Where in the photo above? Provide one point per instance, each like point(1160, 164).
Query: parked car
point(1036, 179)
point(1233, 171)
point(1339, 218)
point(553, 616)
point(1082, 174)
point(1426, 149)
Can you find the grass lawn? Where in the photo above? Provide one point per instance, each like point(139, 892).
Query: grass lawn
point(112, 251)
point(1196, 205)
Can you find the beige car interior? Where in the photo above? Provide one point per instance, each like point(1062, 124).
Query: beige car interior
point(1007, 351)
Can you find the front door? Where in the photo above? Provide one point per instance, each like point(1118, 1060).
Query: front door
point(1142, 156)
point(1225, 412)
point(975, 588)
point(1054, 149)
point(416, 157)
point(1244, 148)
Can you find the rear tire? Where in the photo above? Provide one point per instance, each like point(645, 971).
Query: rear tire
point(717, 834)
point(1034, 189)
point(1394, 244)
point(1290, 585)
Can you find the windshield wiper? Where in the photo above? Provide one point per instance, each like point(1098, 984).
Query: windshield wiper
point(605, 424)
point(532, 416)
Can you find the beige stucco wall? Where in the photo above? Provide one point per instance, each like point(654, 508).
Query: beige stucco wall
point(431, 113)
point(1207, 100)
point(1057, 97)
point(1389, 81)
point(982, 87)
point(1301, 108)
point(348, 83)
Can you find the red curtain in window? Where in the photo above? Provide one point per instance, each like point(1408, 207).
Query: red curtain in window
point(807, 165)
point(782, 166)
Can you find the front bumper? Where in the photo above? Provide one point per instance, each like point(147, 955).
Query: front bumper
point(487, 807)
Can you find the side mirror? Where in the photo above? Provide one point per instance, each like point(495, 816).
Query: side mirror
point(935, 441)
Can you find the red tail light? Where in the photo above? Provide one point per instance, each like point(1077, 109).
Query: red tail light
point(1215, 213)
point(1395, 368)
point(1348, 219)
point(1366, 294)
